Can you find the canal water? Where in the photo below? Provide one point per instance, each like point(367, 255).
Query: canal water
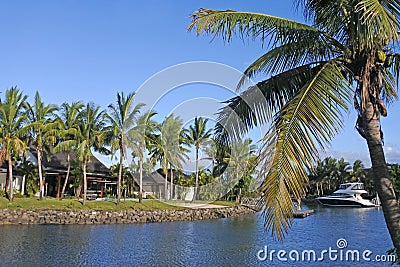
point(343, 233)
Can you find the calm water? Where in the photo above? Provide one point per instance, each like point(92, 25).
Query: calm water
point(224, 242)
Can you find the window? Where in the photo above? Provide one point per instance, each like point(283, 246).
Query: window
point(358, 187)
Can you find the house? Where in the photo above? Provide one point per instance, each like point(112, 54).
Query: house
point(153, 184)
point(3, 176)
point(100, 180)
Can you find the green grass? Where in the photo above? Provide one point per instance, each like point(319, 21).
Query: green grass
point(225, 203)
point(75, 204)
point(217, 202)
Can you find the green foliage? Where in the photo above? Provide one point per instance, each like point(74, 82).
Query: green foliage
point(394, 172)
point(14, 127)
point(329, 173)
point(309, 74)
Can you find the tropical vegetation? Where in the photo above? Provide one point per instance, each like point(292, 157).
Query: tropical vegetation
point(80, 129)
point(329, 173)
point(313, 73)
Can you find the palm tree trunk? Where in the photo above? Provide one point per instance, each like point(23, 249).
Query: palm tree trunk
point(383, 184)
point(39, 158)
point(84, 182)
point(119, 175)
point(141, 174)
point(66, 177)
point(23, 185)
point(166, 179)
point(172, 182)
point(197, 175)
point(10, 178)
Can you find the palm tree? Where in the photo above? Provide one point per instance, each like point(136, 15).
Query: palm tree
point(198, 136)
point(121, 120)
point(13, 129)
point(141, 135)
point(29, 178)
point(394, 172)
point(239, 162)
point(210, 149)
point(43, 131)
point(127, 181)
point(90, 135)
point(69, 118)
point(167, 147)
point(344, 169)
point(310, 72)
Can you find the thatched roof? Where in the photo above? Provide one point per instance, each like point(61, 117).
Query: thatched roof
point(150, 179)
point(59, 162)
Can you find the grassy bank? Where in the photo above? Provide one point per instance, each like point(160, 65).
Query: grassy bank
point(75, 204)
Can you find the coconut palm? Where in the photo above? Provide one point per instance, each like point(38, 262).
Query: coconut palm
point(90, 135)
point(167, 147)
point(121, 120)
point(13, 129)
point(344, 171)
point(239, 162)
point(29, 178)
point(43, 131)
point(198, 135)
point(142, 134)
point(69, 118)
point(394, 172)
point(310, 72)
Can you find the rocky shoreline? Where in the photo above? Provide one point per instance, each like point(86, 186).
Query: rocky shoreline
point(48, 216)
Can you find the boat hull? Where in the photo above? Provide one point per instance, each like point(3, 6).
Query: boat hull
point(340, 202)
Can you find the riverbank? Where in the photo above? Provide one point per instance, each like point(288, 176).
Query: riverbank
point(51, 216)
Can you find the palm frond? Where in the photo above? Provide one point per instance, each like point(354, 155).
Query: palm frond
point(389, 94)
point(379, 15)
point(394, 62)
point(291, 55)
point(259, 103)
point(305, 123)
point(269, 28)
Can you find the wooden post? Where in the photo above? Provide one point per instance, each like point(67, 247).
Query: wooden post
point(101, 190)
point(58, 186)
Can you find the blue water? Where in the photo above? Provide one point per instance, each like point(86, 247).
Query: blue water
point(223, 242)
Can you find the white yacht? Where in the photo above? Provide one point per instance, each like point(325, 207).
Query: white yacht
point(348, 195)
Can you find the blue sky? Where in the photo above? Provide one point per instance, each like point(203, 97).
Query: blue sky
point(88, 50)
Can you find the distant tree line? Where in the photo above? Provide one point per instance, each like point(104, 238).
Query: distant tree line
point(122, 128)
point(329, 173)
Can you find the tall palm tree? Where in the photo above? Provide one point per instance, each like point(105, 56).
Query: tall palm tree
point(168, 148)
point(198, 135)
point(69, 118)
point(238, 160)
point(90, 135)
point(121, 119)
point(43, 132)
point(13, 129)
point(310, 72)
point(142, 134)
